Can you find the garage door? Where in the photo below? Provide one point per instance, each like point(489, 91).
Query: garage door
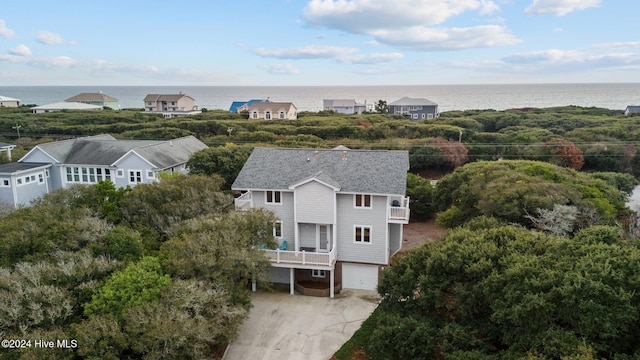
point(359, 276)
point(279, 275)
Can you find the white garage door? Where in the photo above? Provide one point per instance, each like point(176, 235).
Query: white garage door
point(359, 276)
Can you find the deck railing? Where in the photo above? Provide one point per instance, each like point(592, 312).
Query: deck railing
point(243, 202)
point(399, 213)
point(301, 257)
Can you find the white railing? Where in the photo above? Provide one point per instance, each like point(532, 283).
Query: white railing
point(400, 213)
point(301, 257)
point(244, 201)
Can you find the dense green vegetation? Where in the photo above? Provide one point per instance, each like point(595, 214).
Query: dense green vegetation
point(160, 271)
point(541, 262)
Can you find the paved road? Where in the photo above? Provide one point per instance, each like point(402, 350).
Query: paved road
point(287, 327)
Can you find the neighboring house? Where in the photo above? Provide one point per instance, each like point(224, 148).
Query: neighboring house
point(7, 147)
point(239, 106)
point(98, 99)
point(171, 105)
point(631, 110)
point(272, 111)
point(416, 108)
point(21, 183)
point(345, 106)
point(92, 159)
point(6, 101)
point(340, 211)
point(64, 105)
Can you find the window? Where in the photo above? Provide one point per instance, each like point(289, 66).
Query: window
point(120, 173)
point(423, 116)
point(318, 273)
point(150, 174)
point(282, 116)
point(5, 182)
point(254, 115)
point(362, 201)
point(135, 176)
point(267, 115)
point(429, 116)
point(40, 178)
point(277, 229)
point(274, 197)
point(414, 116)
point(19, 181)
point(362, 234)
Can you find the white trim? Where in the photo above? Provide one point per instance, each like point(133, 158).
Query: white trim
point(318, 273)
point(281, 229)
point(355, 227)
point(115, 163)
point(119, 173)
point(329, 240)
point(136, 172)
point(273, 197)
point(313, 178)
point(363, 206)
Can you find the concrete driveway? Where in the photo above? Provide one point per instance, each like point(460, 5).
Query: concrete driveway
point(290, 327)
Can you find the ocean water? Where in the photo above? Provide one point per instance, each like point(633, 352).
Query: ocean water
point(614, 96)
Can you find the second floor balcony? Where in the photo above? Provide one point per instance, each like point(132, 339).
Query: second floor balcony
point(398, 211)
point(243, 202)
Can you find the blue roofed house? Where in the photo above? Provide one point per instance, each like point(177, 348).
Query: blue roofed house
point(341, 212)
point(89, 160)
point(416, 108)
point(239, 106)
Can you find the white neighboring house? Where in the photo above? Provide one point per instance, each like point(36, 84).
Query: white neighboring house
point(64, 105)
point(345, 106)
point(272, 111)
point(6, 101)
point(171, 105)
point(341, 212)
point(89, 160)
point(631, 109)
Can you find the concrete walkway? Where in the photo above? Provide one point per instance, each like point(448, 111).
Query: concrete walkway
point(290, 327)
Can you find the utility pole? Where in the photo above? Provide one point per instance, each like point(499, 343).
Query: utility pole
point(17, 128)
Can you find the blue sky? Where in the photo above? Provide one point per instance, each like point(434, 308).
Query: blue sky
point(318, 42)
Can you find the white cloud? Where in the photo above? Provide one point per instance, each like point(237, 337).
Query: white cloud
point(49, 38)
point(280, 69)
point(361, 16)
point(5, 32)
point(617, 45)
point(559, 7)
point(20, 50)
point(409, 24)
point(305, 52)
point(554, 56)
point(371, 58)
point(436, 39)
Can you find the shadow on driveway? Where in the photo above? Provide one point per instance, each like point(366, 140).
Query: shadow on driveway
point(283, 326)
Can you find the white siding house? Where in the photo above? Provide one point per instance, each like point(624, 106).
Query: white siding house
point(341, 211)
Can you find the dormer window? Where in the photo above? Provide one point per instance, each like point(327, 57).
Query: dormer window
point(362, 201)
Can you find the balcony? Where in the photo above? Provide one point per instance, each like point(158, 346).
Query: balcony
point(243, 202)
point(398, 211)
point(286, 258)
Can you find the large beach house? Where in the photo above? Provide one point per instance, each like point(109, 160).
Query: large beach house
point(88, 160)
point(341, 211)
point(416, 108)
point(171, 105)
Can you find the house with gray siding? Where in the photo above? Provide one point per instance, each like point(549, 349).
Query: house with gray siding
point(89, 160)
point(341, 211)
point(415, 108)
point(21, 183)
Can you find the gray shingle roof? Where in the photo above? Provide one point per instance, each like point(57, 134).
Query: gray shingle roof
point(165, 97)
point(352, 171)
point(14, 167)
point(106, 150)
point(407, 101)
